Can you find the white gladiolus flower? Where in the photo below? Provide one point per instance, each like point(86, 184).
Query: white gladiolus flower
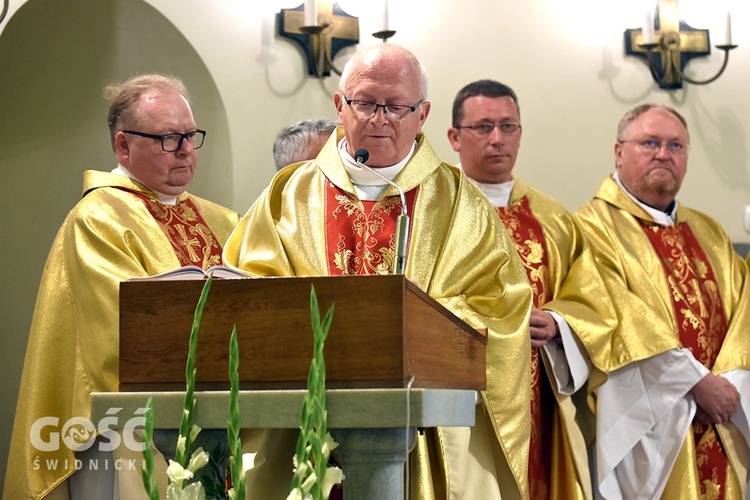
point(301, 469)
point(333, 476)
point(295, 494)
point(198, 460)
point(181, 442)
point(193, 491)
point(248, 461)
point(329, 445)
point(194, 430)
point(309, 482)
point(177, 474)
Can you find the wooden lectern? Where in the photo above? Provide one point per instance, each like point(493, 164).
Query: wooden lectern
point(384, 331)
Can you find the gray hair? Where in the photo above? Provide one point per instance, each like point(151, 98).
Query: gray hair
point(291, 145)
point(123, 98)
point(373, 52)
point(634, 113)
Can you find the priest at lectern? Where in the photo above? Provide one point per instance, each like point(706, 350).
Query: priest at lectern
point(334, 216)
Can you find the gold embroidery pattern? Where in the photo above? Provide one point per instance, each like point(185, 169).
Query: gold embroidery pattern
point(192, 240)
point(372, 225)
point(530, 246)
point(528, 236)
point(695, 294)
point(707, 444)
point(701, 325)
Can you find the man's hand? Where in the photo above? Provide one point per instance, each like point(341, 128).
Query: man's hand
point(717, 399)
point(543, 328)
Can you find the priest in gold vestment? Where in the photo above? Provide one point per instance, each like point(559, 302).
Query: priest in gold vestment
point(672, 416)
point(486, 132)
point(135, 221)
point(329, 216)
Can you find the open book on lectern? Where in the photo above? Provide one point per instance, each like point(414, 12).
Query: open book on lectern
point(196, 273)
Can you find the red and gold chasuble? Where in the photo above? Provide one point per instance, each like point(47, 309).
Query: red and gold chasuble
point(361, 239)
point(701, 324)
point(528, 236)
point(360, 235)
point(192, 240)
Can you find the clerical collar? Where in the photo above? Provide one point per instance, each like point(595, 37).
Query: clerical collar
point(662, 217)
point(498, 194)
point(164, 199)
point(367, 185)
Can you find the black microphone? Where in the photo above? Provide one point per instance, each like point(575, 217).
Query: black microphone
point(361, 155)
point(402, 221)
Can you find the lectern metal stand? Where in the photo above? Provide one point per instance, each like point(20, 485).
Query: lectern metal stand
point(375, 428)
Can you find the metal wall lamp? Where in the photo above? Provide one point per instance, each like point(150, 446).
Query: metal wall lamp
point(4, 11)
point(667, 44)
point(321, 31)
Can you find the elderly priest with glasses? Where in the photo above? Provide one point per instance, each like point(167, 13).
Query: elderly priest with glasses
point(672, 415)
point(331, 216)
point(135, 221)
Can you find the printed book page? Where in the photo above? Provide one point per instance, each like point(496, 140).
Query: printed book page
point(196, 273)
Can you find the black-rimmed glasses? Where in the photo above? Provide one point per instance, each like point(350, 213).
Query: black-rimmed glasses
point(367, 109)
point(173, 141)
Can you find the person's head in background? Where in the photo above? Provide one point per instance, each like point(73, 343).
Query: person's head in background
point(301, 141)
point(486, 130)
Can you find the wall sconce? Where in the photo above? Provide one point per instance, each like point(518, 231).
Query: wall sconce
point(322, 30)
point(4, 11)
point(667, 44)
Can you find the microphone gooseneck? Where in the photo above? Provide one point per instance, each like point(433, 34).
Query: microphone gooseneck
point(402, 221)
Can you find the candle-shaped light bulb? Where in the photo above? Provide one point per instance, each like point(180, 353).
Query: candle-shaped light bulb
point(648, 28)
point(383, 25)
point(728, 30)
point(311, 12)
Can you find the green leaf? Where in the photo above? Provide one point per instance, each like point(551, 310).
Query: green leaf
point(235, 443)
point(181, 456)
point(147, 473)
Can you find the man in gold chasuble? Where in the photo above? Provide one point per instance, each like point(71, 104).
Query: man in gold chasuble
point(486, 132)
point(135, 221)
point(329, 216)
point(672, 414)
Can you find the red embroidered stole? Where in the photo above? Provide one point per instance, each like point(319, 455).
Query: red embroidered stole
point(192, 240)
point(701, 324)
point(360, 235)
point(528, 235)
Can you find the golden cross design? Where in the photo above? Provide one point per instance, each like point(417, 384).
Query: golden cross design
point(188, 243)
point(675, 43)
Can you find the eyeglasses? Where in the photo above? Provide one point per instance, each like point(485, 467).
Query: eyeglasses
point(367, 109)
point(173, 141)
point(484, 129)
point(653, 146)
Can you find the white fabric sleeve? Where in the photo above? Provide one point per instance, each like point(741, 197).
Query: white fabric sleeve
point(569, 361)
point(644, 412)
